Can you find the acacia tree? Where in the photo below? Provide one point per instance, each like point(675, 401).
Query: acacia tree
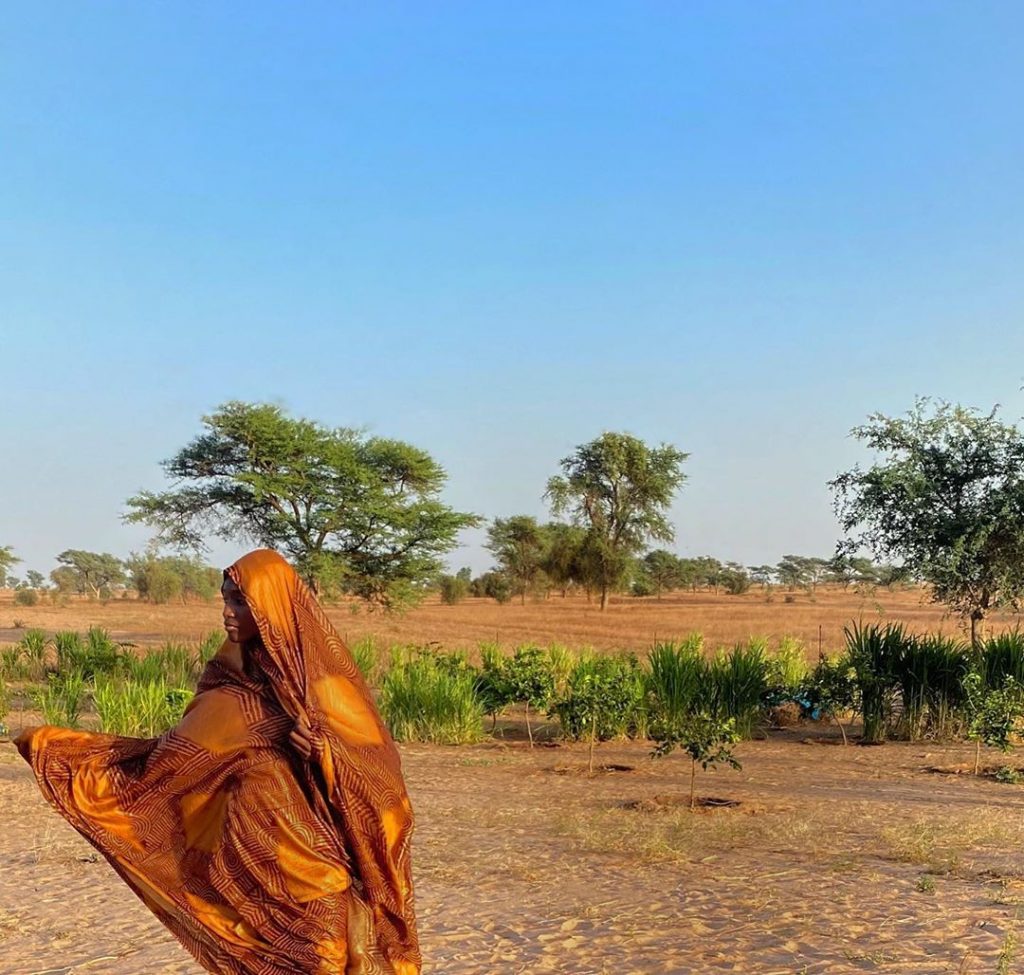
point(362, 513)
point(618, 489)
point(561, 563)
point(663, 569)
point(946, 500)
point(7, 560)
point(87, 572)
point(518, 544)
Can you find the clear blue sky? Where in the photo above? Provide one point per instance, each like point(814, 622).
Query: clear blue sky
point(496, 229)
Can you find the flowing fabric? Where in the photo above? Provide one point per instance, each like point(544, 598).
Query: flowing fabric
point(260, 863)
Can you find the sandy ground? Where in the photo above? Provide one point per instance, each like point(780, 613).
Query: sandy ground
point(837, 860)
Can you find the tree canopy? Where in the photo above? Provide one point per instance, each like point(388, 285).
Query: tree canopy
point(618, 489)
point(89, 573)
point(357, 512)
point(519, 546)
point(7, 560)
point(946, 500)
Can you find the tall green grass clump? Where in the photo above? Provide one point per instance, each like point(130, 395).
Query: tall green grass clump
point(425, 697)
point(90, 656)
point(739, 680)
point(60, 701)
point(874, 652)
point(138, 709)
point(5, 703)
point(787, 671)
point(678, 679)
point(13, 665)
point(174, 664)
point(929, 677)
point(367, 658)
point(1001, 657)
point(33, 646)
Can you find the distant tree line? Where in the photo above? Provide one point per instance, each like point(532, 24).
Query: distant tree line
point(942, 504)
point(100, 575)
point(552, 563)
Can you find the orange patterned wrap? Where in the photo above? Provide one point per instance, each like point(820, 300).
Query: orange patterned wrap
point(258, 862)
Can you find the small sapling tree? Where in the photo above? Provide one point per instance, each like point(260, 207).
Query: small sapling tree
point(528, 680)
point(707, 739)
point(831, 689)
point(993, 716)
point(598, 694)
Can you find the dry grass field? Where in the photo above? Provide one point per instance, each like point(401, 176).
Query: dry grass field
point(836, 860)
point(628, 623)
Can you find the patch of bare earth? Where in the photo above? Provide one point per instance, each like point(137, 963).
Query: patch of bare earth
point(836, 860)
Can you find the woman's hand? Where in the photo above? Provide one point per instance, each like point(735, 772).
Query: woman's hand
point(301, 737)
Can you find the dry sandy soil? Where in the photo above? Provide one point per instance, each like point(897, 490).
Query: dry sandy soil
point(627, 623)
point(837, 860)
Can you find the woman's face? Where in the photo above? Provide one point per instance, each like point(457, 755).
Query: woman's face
point(238, 619)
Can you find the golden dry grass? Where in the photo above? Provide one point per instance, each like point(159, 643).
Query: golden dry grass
point(627, 623)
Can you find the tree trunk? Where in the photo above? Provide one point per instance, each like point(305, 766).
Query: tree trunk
point(593, 742)
point(529, 731)
point(604, 597)
point(693, 780)
point(977, 616)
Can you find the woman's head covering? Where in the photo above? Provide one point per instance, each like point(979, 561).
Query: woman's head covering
point(356, 766)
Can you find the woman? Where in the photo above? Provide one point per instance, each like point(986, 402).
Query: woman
point(270, 829)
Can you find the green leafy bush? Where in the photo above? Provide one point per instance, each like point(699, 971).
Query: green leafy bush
point(26, 597)
point(994, 716)
point(603, 699)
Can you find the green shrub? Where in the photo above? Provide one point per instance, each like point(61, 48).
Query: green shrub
point(995, 717)
point(603, 699)
point(453, 589)
point(831, 689)
point(5, 703)
point(429, 698)
point(26, 597)
point(525, 678)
